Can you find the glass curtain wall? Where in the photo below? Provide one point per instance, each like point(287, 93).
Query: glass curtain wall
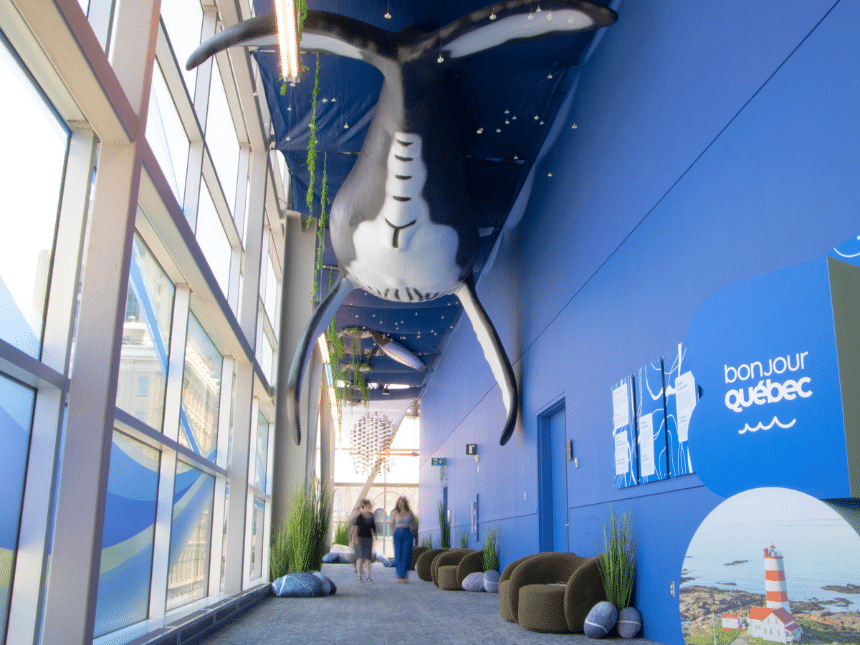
point(188, 396)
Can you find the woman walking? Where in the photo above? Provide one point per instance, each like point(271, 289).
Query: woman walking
point(401, 528)
point(363, 533)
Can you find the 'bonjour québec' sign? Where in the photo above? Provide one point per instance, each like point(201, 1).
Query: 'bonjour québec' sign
point(766, 354)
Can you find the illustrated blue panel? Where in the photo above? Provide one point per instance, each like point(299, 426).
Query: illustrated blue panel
point(651, 422)
point(765, 354)
point(681, 396)
point(624, 434)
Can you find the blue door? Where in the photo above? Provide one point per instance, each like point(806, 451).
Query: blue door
point(558, 437)
point(552, 476)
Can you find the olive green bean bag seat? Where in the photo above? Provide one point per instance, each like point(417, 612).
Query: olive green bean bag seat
point(424, 563)
point(553, 592)
point(450, 576)
point(450, 558)
point(504, 589)
point(416, 551)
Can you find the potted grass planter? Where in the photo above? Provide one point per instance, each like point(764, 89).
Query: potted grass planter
point(616, 561)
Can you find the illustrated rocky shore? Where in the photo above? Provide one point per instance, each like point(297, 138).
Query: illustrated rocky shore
point(823, 621)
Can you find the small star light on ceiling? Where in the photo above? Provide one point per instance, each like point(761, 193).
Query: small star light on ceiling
point(371, 440)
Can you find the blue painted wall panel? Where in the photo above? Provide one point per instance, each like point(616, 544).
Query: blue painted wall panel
point(713, 144)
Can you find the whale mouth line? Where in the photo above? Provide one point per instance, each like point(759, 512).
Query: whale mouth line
point(395, 242)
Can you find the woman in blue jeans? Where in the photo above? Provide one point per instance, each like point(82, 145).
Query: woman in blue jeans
point(401, 528)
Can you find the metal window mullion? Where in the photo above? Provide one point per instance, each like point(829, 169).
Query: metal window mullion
point(253, 245)
point(250, 508)
point(216, 550)
point(267, 530)
point(31, 558)
point(267, 524)
point(71, 596)
point(194, 174)
point(240, 204)
point(33, 536)
point(225, 406)
point(100, 16)
point(252, 452)
point(234, 279)
point(221, 458)
point(238, 478)
point(161, 542)
point(176, 362)
point(65, 270)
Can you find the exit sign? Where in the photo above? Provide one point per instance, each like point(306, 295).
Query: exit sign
point(471, 449)
point(437, 461)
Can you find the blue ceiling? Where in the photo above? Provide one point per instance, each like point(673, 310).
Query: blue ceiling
point(508, 98)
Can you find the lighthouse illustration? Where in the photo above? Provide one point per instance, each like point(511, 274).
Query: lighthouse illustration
point(774, 622)
point(774, 580)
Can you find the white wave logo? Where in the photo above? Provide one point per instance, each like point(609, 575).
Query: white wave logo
point(758, 427)
point(845, 255)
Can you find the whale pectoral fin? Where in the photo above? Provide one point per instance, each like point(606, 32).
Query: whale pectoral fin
point(289, 390)
point(510, 22)
point(494, 352)
point(322, 32)
point(261, 31)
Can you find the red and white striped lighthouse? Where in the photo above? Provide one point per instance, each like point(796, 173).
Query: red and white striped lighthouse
point(774, 580)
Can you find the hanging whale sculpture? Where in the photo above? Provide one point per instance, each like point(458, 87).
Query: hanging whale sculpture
point(402, 226)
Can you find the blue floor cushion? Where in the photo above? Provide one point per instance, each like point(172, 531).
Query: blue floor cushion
point(491, 581)
point(328, 585)
point(600, 620)
point(474, 582)
point(297, 585)
point(629, 622)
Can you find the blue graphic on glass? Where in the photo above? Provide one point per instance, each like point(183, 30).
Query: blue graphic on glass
point(190, 537)
point(129, 530)
point(16, 418)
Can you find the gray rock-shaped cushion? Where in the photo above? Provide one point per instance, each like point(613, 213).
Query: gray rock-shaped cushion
point(629, 622)
point(381, 557)
point(344, 558)
point(297, 585)
point(601, 619)
point(491, 581)
point(474, 582)
point(330, 557)
point(328, 585)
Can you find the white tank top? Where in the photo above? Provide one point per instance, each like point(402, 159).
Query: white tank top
point(403, 521)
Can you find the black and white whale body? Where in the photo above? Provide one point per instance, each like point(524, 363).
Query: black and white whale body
point(402, 225)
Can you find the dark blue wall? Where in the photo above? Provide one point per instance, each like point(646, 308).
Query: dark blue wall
point(714, 142)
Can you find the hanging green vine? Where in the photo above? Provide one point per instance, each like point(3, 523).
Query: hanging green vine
point(321, 230)
point(312, 147)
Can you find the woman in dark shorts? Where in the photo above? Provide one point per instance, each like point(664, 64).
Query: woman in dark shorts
point(363, 533)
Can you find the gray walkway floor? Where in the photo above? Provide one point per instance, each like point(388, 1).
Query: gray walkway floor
point(385, 612)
